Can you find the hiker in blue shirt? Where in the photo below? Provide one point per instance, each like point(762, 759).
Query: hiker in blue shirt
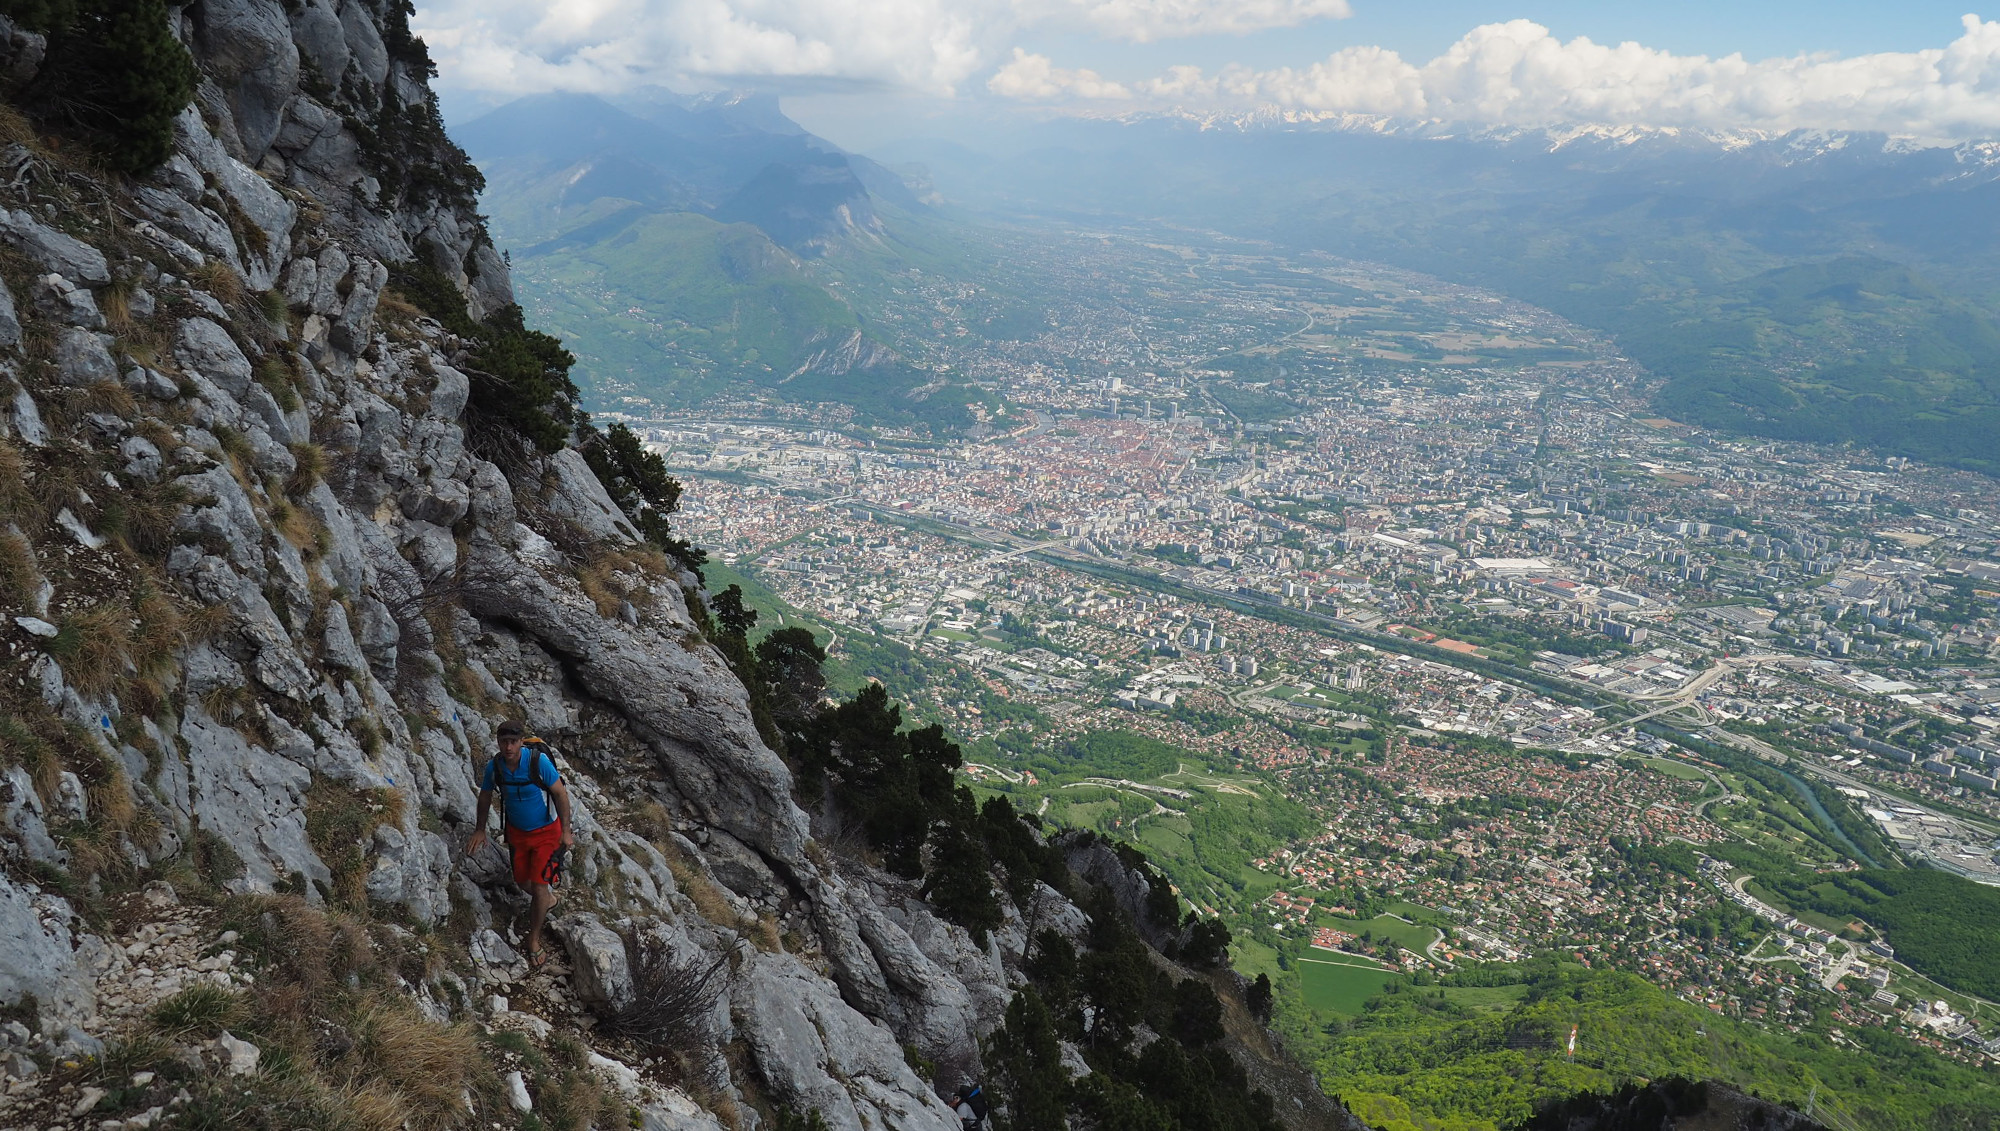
point(538, 834)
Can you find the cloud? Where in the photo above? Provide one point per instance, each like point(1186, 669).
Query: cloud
point(1033, 77)
point(608, 45)
point(1516, 73)
point(520, 46)
point(1145, 20)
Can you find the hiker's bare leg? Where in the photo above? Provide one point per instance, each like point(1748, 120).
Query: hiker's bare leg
point(538, 911)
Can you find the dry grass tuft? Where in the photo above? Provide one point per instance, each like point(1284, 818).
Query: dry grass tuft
point(602, 589)
point(160, 632)
point(272, 303)
point(702, 891)
point(109, 397)
point(15, 129)
point(141, 520)
point(347, 1045)
point(298, 525)
point(427, 1064)
point(219, 279)
point(156, 432)
point(44, 744)
point(27, 745)
point(17, 499)
point(372, 1107)
point(206, 622)
point(341, 823)
point(765, 934)
point(234, 444)
point(115, 303)
point(93, 646)
point(278, 380)
point(651, 820)
point(310, 461)
point(394, 307)
point(471, 690)
point(198, 1012)
point(18, 575)
point(226, 703)
point(612, 575)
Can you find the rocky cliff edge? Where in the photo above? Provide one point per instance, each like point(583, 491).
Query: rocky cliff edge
point(268, 589)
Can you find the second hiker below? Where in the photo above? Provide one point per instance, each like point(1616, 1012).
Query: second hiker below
point(535, 807)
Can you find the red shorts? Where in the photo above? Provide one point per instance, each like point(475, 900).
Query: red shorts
point(535, 853)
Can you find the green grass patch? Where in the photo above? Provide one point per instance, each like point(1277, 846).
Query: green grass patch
point(1680, 771)
point(1254, 958)
point(1340, 986)
point(1493, 999)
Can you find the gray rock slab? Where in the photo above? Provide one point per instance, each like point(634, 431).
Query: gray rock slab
point(83, 357)
point(576, 495)
point(246, 48)
point(816, 1052)
point(601, 968)
point(10, 320)
point(27, 419)
point(207, 348)
point(44, 952)
point(53, 250)
point(252, 800)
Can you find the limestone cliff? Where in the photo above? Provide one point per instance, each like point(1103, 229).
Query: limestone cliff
point(270, 580)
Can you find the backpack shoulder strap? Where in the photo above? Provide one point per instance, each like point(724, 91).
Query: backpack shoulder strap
point(529, 770)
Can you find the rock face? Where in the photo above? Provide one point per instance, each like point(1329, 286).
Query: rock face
point(367, 585)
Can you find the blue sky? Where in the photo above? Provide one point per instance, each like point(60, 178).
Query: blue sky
point(1419, 30)
point(1757, 29)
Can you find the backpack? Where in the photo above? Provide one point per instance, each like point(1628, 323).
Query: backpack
point(977, 1098)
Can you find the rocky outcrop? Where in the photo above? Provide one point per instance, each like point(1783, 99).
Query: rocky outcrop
point(358, 586)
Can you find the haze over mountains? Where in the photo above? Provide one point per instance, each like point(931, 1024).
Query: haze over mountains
point(1807, 285)
point(665, 238)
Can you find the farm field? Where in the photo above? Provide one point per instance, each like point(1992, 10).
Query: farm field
point(1338, 985)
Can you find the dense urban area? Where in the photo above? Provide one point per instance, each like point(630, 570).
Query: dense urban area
point(1382, 614)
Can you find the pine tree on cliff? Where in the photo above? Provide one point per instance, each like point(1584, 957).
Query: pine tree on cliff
point(114, 72)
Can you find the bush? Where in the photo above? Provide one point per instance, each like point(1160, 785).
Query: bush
point(673, 998)
point(114, 72)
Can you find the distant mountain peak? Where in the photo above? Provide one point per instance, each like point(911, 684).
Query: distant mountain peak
point(1797, 144)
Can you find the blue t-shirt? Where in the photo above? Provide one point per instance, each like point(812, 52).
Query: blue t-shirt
point(523, 789)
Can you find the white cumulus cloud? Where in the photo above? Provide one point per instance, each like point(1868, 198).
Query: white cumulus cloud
point(1517, 73)
point(520, 46)
point(1035, 77)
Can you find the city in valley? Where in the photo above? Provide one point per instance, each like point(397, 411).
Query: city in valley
point(1384, 616)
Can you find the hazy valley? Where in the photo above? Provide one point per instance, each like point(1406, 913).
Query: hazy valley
point(1383, 581)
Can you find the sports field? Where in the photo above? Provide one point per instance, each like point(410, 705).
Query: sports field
point(1678, 770)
